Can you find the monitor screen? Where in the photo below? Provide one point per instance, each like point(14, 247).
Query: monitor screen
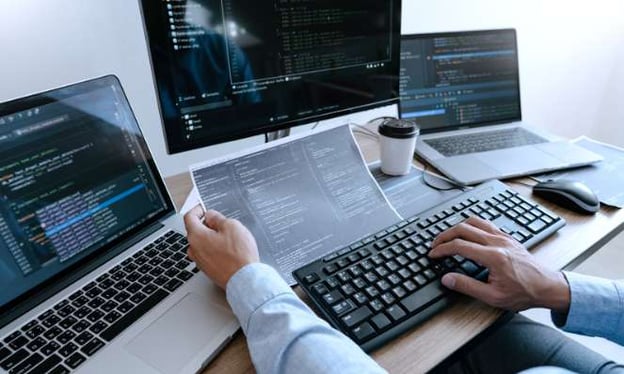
point(75, 177)
point(459, 79)
point(229, 69)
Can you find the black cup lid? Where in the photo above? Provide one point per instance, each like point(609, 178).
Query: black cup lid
point(397, 128)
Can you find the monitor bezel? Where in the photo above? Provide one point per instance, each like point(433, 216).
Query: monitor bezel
point(173, 148)
point(471, 32)
point(44, 291)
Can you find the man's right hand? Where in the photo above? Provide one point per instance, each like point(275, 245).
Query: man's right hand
point(516, 280)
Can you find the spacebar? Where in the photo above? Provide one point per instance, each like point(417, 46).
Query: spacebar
point(115, 329)
point(424, 296)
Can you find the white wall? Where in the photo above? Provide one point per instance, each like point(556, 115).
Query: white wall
point(571, 58)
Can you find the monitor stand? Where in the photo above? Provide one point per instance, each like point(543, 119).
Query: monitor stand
point(274, 135)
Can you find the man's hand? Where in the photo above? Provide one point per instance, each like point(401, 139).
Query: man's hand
point(516, 280)
point(218, 245)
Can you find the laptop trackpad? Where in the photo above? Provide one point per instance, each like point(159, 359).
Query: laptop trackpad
point(178, 335)
point(520, 160)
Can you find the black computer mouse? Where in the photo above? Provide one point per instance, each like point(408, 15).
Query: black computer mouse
point(569, 194)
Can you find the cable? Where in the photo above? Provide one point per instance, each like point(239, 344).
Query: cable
point(454, 185)
point(364, 129)
point(384, 118)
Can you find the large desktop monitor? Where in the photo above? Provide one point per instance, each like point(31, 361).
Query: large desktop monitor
point(229, 69)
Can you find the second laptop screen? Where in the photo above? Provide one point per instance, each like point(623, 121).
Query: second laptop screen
point(456, 79)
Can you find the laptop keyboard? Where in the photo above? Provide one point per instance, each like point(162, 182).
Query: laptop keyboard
point(380, 287)
point(64, 336)
point(483, 142)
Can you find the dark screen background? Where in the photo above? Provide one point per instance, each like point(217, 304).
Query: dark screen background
point(247, 67)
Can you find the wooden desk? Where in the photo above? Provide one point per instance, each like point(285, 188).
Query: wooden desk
point(430, 343)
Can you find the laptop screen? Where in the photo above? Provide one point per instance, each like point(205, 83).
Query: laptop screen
point(75, 177)
point(460, 79)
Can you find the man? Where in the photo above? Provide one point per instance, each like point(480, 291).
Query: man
point(283, 335)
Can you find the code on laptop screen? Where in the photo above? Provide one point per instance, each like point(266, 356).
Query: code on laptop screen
point(73, 177)
point(457, 79)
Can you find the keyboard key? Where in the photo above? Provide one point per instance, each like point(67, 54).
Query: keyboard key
point(35, 331)
point(138, 298)
point(50, 348)
point(343, 307)
point(311, 278)
point(360, 298)
point(376, 305)
point(34, 345)
point(66, 336)
point(330, 269)
point(423, 297)
point(380, 321)
point(172, 285)
point(48, 366)
point(68, 349)
point(92, 347)
point(109, 305)
point(95, 315)
point(537, 226)
point(395, 312)
point(52, 333)
point(81, 326)
point(83, 338)
point(122, 296)
point(51, 321)
point(98, 327)
point(356, 316)
point(333, 297)
point(469, 267)
point(68, 322)
point(125, 307)
point(18, 342)
point(14, 359)
point(96, 303)
point(27, 364)
point(363, 331)
point(388, 298)
point(112, 316)
point(60, 369)
point(75, 360)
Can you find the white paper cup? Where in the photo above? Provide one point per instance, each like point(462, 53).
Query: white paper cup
point(397, 142)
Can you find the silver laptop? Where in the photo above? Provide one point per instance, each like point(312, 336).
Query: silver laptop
point(93, 264)
point(463, 90)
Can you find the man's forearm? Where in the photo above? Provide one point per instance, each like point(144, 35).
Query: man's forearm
point(283, 334)
point(596, 308)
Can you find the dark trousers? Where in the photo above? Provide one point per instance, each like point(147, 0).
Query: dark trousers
point(523, 344)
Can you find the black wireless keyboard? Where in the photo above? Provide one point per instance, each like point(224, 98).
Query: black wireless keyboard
point(381, 286)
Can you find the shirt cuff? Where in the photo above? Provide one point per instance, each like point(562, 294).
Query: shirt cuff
point(594, 303)
point(251, 287)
